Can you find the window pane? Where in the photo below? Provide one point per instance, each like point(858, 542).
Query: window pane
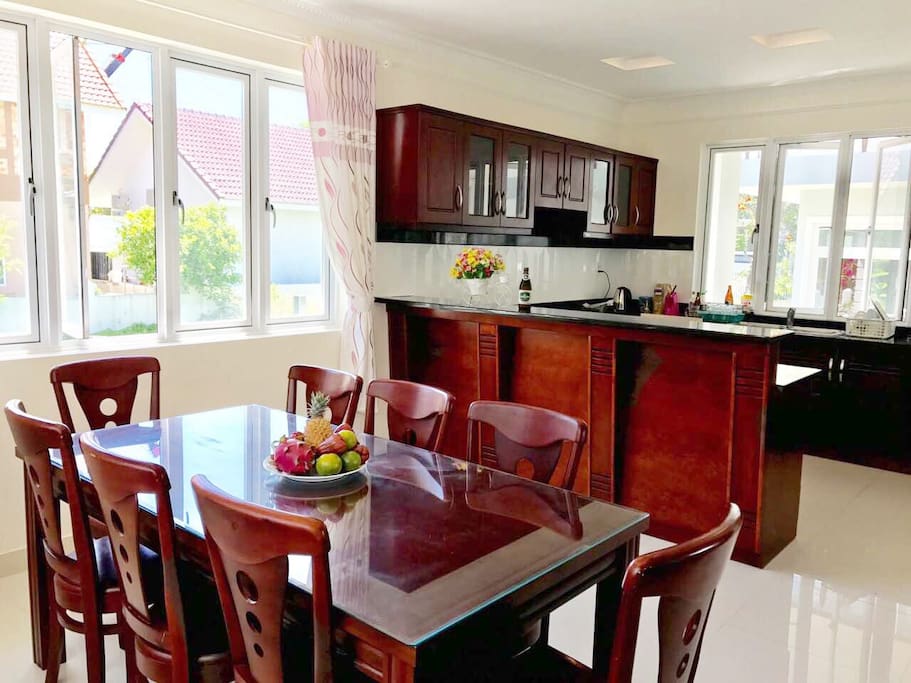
point(731, 218)
point(802, 219)
point(213, 185)
point(17, 278)
point(875, 249)
point(69, 239)
point(106, 219)
point(298, 283)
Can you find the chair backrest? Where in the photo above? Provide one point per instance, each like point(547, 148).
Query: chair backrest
point(105, 378)
point(152, 610)
point(416, 414)
point(33, 437)
point(527, 440)
point(249, 547)
point(342, 388)
point(684, 578)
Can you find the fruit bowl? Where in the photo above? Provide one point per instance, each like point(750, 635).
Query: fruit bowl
point(298, 457)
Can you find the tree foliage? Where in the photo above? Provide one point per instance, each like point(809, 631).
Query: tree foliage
point(210, 251)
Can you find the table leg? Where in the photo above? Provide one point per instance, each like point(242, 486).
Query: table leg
point(607, 604)
point(38, 577)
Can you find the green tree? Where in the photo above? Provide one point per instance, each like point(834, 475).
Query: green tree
point(210, 251)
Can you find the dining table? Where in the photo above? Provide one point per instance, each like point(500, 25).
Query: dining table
point(437, 564)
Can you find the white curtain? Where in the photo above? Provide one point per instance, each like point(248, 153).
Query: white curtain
point(341, 103)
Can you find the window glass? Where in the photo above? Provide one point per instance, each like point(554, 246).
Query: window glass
point(874, 256)
point(731, 221)
point(297, 263)
point(17, 274)
point(103, 123)
point(213, 187)
point(802, 215)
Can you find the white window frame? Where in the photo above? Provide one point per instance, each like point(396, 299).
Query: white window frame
point(43, 252)
point(27, 105)
point(771, 176)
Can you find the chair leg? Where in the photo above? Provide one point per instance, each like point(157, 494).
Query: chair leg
point(94, 649)
point(54, 649)
point(128, 644)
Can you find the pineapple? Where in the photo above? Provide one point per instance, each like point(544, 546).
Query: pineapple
point(318, 428)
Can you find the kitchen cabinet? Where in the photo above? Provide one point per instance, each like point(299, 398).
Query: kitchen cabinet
point(563, 182)
point(446, 172)
point(857, 407)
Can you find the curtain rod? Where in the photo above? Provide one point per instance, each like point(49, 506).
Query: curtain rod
point(222, 22)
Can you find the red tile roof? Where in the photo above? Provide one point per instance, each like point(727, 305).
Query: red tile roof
point(94, 87)
point(213, 146)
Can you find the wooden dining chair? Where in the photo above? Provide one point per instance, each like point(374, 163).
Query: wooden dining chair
point(342, 388)
point(84, 583)
point(684, 578)
point(527, 441)
point(249, 547)
point(96, 380)
point(416, 414)
point(173, 614)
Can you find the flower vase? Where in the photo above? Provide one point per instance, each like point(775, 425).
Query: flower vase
point(477, 289)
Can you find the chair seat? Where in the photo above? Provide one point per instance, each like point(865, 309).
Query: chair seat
point(107, 569)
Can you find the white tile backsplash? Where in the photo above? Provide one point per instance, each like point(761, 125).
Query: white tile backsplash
point(557, 273)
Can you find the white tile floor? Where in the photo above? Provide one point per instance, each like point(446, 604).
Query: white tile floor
point(834, 607)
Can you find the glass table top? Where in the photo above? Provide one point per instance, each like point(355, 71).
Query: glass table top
point(433, 536)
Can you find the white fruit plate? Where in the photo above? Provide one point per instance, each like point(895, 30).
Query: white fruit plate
point(269, 466)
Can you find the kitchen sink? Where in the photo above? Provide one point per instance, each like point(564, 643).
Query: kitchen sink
point(799, 329)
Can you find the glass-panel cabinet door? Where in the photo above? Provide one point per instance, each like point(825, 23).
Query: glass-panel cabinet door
point(622, 217)
point(482, 198)
point(601, 210)
point(514, 203)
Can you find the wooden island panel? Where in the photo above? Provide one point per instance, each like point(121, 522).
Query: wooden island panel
point(678, 423)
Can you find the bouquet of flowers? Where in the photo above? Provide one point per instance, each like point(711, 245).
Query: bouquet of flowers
point(475, 263)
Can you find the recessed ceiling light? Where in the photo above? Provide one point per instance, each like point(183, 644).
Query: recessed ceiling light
point(636, 63)
point(791, 38)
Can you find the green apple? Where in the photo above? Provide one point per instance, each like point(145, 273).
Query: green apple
point(351, 460)
point(328, 463)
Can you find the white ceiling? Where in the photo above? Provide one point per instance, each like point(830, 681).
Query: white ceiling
point(708, 39)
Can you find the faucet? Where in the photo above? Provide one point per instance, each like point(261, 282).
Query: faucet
point(607, 291)
point(790, 318)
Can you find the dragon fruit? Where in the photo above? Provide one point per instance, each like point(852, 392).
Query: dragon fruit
point(293, 456)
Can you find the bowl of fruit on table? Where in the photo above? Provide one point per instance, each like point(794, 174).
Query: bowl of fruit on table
point(320, 453)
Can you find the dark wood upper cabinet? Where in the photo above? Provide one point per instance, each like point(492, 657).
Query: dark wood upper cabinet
point(549, 186)
point(441, 190)
point(601, 206)
point(517, 171)
point(436, 168)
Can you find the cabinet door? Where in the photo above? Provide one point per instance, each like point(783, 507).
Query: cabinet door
point(481, 175)
point(601, 208)
point(624, 200)
point(517, 173)
point(645, 186)
point(576, 188)
point(549, 183)
point(440, 189)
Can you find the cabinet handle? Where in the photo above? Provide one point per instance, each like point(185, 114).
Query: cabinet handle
point(503, 203)
point(459, 197)
point(565, 187)
point(497, 204)
point(829, 373)
point(559, 187)
point(841, 371)
point(637, 216)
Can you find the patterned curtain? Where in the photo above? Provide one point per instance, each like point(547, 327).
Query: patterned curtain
point(341, 102)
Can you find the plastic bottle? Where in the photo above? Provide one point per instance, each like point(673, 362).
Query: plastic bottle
point(729, 296)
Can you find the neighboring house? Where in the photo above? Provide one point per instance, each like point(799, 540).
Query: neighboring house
point(99, 103)
point(210, 147)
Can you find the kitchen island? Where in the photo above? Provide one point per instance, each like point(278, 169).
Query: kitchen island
point(683, 416)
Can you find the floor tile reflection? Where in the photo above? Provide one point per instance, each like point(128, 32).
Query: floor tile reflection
point(835, 606)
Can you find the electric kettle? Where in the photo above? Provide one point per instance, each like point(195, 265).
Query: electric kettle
point(624, 302)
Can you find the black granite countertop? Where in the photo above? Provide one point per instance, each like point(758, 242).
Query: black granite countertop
point(658, 323)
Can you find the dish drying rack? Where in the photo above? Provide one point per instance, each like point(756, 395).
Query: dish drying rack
point(883, 328)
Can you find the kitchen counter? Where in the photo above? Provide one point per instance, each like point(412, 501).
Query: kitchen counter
point(646, 321)
point(684, 416)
